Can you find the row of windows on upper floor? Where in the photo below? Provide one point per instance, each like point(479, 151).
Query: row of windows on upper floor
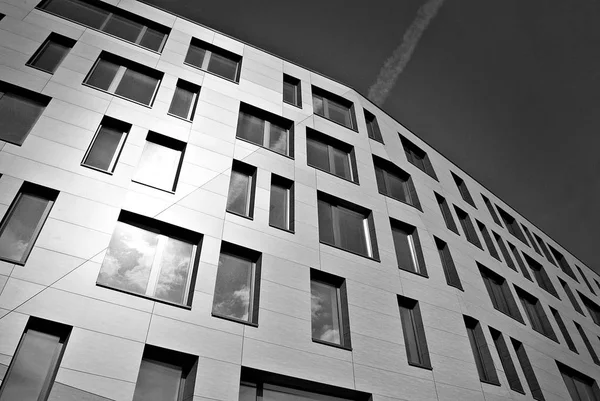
point(168, 374)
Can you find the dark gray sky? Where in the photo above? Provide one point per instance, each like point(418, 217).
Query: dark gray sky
point(508, 90)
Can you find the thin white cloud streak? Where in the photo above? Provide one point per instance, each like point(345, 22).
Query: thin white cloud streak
point(393, 66)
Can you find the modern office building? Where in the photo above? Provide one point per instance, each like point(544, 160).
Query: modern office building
point(187, 217)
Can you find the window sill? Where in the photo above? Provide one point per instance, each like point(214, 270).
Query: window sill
point(401, 201)
point(149, 106)
point(233, 319)
point(424, 172)
point(377, 140)
point(511, 316)
point(413, 272)
point(151, 186)
point(315, 340)
point(490, 382)
point(39, 69)
point(516, 390)
point(545, 335)
point(282, 229)
point(335, 122)
point(293, 104)
point(291, 157)
point(216, 75)
point(251, 218)
point(349, 251)
point(136, 294)
point(417, 365)
point(187, 120)
point(455, 286)
point(96, 169)
point(18, 263)
point(335, 175)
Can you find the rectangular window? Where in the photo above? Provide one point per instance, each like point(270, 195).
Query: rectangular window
point(185, 100)
point(504, 251)
point(563, 330)
point(329, 307)
point(592, 308)
point(534, 386)
point(19, 111)
point(499, 293)
point(464, 191)
point(124, 78)
point(373, 130)
point(571, 296)
point(214, 59)
point(487, 239)
point(33, 368)
point(347, 226)
point(409, 253)
point(152, 259)
point(160, 163)
point(448, 266)
point(111, 20)
point(507, 363)
point(242, 186)
point(579, 386)
point(394, 182)
point(481, 352)
point(292, 92)
point(417, 157)
point(587, 283)
point(541, 276)
point(531, 241)
point(165, 375)
point(467, 226)
point(331, 155)
point(266, 129)
point(106, 146)
point(237, 286)
point(587, 343)
point(536, 315)
point(545, 249)
point(512, 226)
point(491, 209)
point(446, 213)
point(334, 108)
point(23, 221)
point(51, 53)
point(281, 206)
point(563, 264)
point(414, 333)
point(520, 261)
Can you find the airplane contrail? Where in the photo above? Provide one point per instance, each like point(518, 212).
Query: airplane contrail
point(395, 64)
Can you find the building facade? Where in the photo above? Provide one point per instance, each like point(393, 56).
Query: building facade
point(187, 217)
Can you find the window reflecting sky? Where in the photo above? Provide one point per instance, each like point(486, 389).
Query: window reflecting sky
point(233, 287)
point(324, 310)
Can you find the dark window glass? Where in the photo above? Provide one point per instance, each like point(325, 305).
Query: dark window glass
point(481, 352)
point(334, 108)
point(408, 248)
point(329, 154)
point(541, 276)
point(563, 329)
point(329, 309)
point(31, 373)
point(512, 226)
point(587, 343)
point(593, 308)
point(23, 222)
point(19, 111)
point(520, 262)
point(504, 251)
point(464, 191)
point(137, 86)
point(530, 237)
point(106, 145)
point(292, 91)
point(571, 296)
point(417, 157)
point(414, 333)
point(507, 364)
point(563, 264)
point(488, 240)
point(103, 74)
point(534, 386)
point(123, 28)
point(184, 100)
point(214, 59)
point(80, 11)
point(499, 293)
point(491, 209)
point(446, 213)
point(448, 266)
point(585, 280)
point(51, 53)
point(467, 226)
point(281, 205)
point(160, 162)
point(372, 127)
point(242, 184)
point(547, 253)
point(394, 182)
point(265, 129)
point(579, 386)
point(536, 315)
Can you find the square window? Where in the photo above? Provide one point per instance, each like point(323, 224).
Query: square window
point(329, 309)
point(292, 93)
point(242, 186)
point(184, 100)
point(407, 245)
point(19, 111)
point(334, 108)
point(106, 146)
point(392, 181)
point(160, 162)
point(281, 205)
point(373, 130)
point(464, 191)
point(331, 155)
point(417, 157)
point(266, 129)
point(51, 53)
point(499, 293)
point(415, 342)
point(213, 59)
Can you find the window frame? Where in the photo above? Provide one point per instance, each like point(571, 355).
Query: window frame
point(504, 250)
point(297, 85)
point(410, 311)
point(530, 238)
point(209, 50)
point(541, 276)
point(448, 266)
point(572, 374)
point(287, 185)
point(251, 172)
point(545, 249)
point(52, 38)
point(333, 143)
point(510, 371)
point(191, 87)
point(481, 352)
point(373, 130)
point(586, 281)
point(446, 213)
point(113, 123)
point(562, 263)
point(563, 329)
point(500, 294)
point(520, 261)
point(587, 343)
point(388, 169)
point(463, 190)
point(530, 377)
point(329, 97)
point(414, 244)
point(571, 296)
point(539, 322)
point(512, 225)
point(592, 307)
point(468, 227)
point(491, 210)
point(269, 119)
point(488, 240)
point(413, 152)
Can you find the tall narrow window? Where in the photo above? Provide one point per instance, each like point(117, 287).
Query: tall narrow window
point(592, 307)
point(502, 246)
point(152, 259)
point(487, 239)
point(464, 191)
point(512, 226)
point(292, 92)
point(545, 249)
point(587, 343)
point(242, 185)
point(281, 206)
point(334, 108)
point(329, 309)
point(265, 129)
point(409, 253)
point(467, 226)
point(507, 363)
point(417, 157)
point(214, 59)
point(563, 330)
point(446, 213)
point(571, 296)
point(130, 80)
point(373, 130)
point(414, 333)
point(563, 264)
point(585, 280)
point(33, 368)
point(579, 386)
point(160, 163)
point(520, 262)
point(491, 209)
point(19, 111)
point(541, 276)
point(531, 241)
point(237, 285)
point(106, 146)
point(481, 352)
point(448, 266)
point(392, 181)
point(23, 222)
point(165, 375)
point(499, 293)
point(51, 53)
point(536, 315)
point(534, 386)
point(184, 100)
point(346, 226)
point(331, 155)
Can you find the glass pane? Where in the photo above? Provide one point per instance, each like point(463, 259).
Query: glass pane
point(103, 74)
point(195, 56)
point(341, 163)
point(33, 363)
point(325, 312)
point(379, 176)
point(20, 229)
point(129, 259)
point(585, 391)
point(247, 393)
point(238, 199)
point(318, 105)
point(419, 160)
point(152, 39)
point(351, 231)
point(158, 166)
point(182, 102)
point(157, 381)
point(276, 393)
point(325, 223)
point(137, 86)
point(397, 187)
point(278, 208)
point(18, 115)
point(410, 335)
point(104, 148)
point(223, 66)
point(50, 56)
point(317, 155)
point(278, 139)
point(175, 269)
point(404, 250)
point(233, 290)
point(251, 128)
point(339, 113)
point(79, 11)
point(123, 28)
point(289, 93)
